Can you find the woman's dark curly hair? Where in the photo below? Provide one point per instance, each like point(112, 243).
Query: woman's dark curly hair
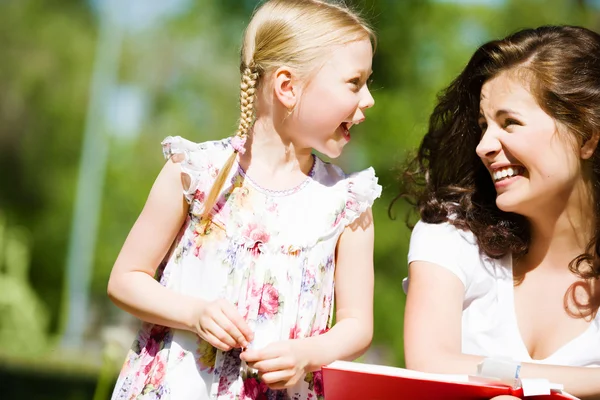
point(448, 178)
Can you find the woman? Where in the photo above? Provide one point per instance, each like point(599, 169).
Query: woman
point(505, 260)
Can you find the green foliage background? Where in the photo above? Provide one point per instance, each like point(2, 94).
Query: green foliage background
point(187, 69)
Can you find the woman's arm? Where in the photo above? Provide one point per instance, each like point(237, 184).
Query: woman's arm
point(132, 286)
point(432, 334)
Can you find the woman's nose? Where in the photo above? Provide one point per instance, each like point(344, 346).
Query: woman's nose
point(489, 145)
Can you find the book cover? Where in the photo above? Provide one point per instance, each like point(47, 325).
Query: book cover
point(344, 380)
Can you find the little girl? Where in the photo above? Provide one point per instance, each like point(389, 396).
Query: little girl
point(247, 235)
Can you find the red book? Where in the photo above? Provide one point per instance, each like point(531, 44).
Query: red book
point(344, 380)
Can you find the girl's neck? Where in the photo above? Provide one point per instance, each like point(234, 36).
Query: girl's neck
point(271, 155)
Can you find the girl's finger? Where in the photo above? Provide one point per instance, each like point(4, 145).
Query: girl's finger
point(215, 342)
point(231, 329)
point(277, 378)
point(274, 350)
point(242, 326)
point(215, 329)
point(274, 364)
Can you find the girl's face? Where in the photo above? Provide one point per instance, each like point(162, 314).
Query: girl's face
point(335, 99)
point(534, 166)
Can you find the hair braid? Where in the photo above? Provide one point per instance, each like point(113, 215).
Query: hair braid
point(247, 92)
point(247, 95)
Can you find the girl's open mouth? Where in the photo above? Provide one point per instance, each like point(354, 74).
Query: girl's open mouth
point(345, 130)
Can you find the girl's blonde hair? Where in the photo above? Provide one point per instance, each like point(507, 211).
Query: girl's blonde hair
point(295, 33)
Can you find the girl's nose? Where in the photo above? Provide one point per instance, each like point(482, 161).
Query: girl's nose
point(367, 100)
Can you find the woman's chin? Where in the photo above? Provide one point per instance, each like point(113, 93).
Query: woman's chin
point(507, 203)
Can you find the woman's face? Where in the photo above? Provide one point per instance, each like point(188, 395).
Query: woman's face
point(534, 162)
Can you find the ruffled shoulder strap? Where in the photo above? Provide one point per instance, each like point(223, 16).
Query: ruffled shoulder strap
point(201, 161)
point(362, 189)
point(356, 191)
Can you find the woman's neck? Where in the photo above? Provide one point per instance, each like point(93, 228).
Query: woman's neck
point(562, 231)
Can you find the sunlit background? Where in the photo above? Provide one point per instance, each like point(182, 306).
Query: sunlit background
point(87, 92)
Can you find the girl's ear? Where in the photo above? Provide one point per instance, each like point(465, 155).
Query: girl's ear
point(285, 87)
point(589, 146)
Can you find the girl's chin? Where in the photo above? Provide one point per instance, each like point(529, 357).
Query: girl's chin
point(332, 150)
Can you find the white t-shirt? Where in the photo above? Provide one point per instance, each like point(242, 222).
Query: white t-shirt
point(489, 323)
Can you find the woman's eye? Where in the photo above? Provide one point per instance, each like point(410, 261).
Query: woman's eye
point(509, 121)
point(482, 127)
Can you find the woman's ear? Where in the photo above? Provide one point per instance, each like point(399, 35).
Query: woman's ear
point(285, 87)
point(589, 146)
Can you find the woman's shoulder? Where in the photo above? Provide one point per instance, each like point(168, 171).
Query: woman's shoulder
point(455, 249)
point(445, 231)
point(444, 244)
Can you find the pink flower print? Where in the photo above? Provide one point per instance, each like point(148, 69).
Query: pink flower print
point(199, 232)
point(318, 383)
point(255, 249)
point(308, 282)
point(256, 236)
point(254, 390)
point(352, 204)
point(269, 304)
point(213, 172)
point(318, 331)
point(223, 388)
point(151, 340)
point(315, 384)
point(245, 311)
point(199, 195)
point(326, 303)
point(272, 207)
point(339, 217)
point(295, 332)
point(158, 372)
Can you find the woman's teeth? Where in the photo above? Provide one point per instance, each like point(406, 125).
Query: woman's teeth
point(506, 172)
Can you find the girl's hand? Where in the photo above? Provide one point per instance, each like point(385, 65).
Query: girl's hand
point(221, 325)
point(280, 365)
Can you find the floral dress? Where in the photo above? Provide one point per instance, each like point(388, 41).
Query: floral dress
point(270, 253)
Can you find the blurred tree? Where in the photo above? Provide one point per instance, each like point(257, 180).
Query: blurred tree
point(184, 74)
point(23, 317)
point(44, 76)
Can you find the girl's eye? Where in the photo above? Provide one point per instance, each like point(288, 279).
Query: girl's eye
point(482, 127)
point(355, 84)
